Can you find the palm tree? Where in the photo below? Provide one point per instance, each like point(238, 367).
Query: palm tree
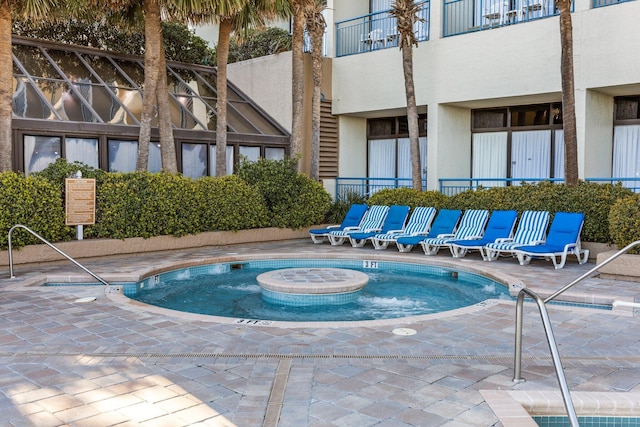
point(406, 14)
point(34, 9)
point(568, 94)
point(297, 77)
point(315, 27)
point(238, 16)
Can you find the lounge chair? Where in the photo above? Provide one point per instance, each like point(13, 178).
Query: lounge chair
point(499, 226)
point(563, 239)
point(471, 227)
point(353, 218)
point(394, 220)
point(418, 224)
point(372, 221)
point(444, 223)
point(531, 228)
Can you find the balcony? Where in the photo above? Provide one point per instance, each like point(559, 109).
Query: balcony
point(601, 3)
point(376, 31)
point(465, 16)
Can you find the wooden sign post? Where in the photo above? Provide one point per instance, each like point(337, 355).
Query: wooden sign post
point(80, 202)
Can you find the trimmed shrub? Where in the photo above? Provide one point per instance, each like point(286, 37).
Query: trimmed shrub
point(33, 202)
point(229, 204)
point(292, 199)
point(624, 221)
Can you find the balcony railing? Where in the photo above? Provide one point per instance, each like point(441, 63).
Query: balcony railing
point(465, 16)
point(366, 187)
point(376, 31)
point(451, 186)
point(600, 3)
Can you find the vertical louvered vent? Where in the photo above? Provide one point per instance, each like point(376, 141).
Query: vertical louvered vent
point(328, 142)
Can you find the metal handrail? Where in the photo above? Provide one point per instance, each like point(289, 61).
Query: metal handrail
point(98, 278)
point(544, 314)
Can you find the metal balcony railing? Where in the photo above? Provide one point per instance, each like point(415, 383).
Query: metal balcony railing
point(376, 31)
point(465, 16)
point(601, 3)
point(366, 187)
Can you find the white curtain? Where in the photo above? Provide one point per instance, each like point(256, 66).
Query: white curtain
point(251, 153)
point(531, 154)
point(122, 155)
point(212, 159)
point(382, 163)
point(404, 159)
point(489, 157)
point(194, 160)
point(39, 152)
point(274, 153)
point(83, 150)
point(558, 156)
point(626, 154)
point(155, 157)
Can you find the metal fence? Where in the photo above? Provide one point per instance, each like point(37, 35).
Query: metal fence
point(366, 187)
point(451, 186)
point(376, 31)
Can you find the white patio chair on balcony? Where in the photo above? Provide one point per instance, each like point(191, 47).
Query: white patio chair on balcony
point(496, 13)
point(373, 39)
point(534, 9)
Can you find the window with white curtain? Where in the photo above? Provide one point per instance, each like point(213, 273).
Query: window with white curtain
point(391, 158)
point(558, 159)
point(404, 160)
point(123, 156)
point(194, 160)
point(490, 157)
point(274, 153)
point(40, 151)
point(531, 154)
point(212, 159)
point(251, 154)
point(84, 150)
point(626, 153)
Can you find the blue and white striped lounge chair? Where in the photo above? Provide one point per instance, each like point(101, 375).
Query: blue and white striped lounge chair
point(499, 226)
point(563, 239)
point(532, 227)
point(372, 221)
point(353, 218)
point(445, 223)
point(395, 220)
point(471, 227)
point(418, 225)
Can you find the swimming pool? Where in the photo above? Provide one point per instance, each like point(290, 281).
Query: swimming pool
point(394, 290)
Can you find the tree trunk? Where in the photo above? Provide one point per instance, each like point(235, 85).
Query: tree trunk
point(412, 116)
point(316, 55)
point(6, 88)
point(221, 100)
point(167, 145)
point(568, 95)
point(152, 34)
point(297, 84)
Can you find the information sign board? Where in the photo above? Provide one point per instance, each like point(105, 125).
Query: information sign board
point(80, 201)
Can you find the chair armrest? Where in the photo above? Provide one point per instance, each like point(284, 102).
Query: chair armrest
point(536, 242)
point(504, 240)
point(444, 236)
point(351, 228)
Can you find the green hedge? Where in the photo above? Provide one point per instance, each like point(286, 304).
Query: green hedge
point(624, 221)
point(35, 203)
point(292, 199)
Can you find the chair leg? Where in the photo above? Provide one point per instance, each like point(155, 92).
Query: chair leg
point(317, 239)
point(582, 255)
point(430, 249)
point(523, 259)
point(357, 243)
point(491, 255)
point(458, 252)
point(404, 248)
point(380, 244)
point(336, 240)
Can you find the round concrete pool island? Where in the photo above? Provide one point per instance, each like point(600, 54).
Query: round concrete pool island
point(311, 286)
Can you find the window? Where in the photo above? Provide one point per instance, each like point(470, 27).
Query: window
point(84, 150)
point(517, 142)
point(40, 151)
point(123, 156)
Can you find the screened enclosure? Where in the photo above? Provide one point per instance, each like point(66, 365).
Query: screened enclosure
point(85, 104)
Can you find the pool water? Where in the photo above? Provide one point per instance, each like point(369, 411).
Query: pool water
point(394, 290)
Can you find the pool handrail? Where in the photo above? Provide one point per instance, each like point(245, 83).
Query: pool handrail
point(52, 246)
point(544, 314)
